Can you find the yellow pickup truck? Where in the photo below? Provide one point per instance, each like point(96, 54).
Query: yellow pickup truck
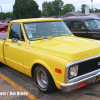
point(46, 50)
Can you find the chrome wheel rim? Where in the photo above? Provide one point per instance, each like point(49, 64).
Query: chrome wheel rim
point(42, 78)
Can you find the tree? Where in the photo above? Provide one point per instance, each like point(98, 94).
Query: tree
point(47, 9)
point(6, 15)
point(26, 9)
point(57, 5)
point(52, 8)
point(68, 8)
point(83, 8)
point(2, 15)
point(96, 10)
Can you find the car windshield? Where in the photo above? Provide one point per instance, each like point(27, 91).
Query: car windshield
point(92, 23)
point(43, 30)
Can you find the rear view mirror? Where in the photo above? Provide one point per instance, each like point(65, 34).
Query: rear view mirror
point(85, 29)
point(15, 40)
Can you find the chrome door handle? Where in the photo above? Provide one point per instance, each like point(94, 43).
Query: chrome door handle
point(18, 43)
point(6, 44)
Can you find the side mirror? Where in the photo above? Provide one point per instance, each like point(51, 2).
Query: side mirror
point(15, 40)
point(85, 29)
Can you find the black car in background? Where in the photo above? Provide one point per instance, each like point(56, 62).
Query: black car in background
point(88, 27)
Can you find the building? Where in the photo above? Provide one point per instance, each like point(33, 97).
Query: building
point(73, 14)
point(6, 20)
point(97, 15)
point(87, 11)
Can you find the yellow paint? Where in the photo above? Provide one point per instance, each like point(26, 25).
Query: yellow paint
point(68, 47)
point(14, 54)
point(18, 87)
point(1, 51)
point(35, 20)
point(51, 53)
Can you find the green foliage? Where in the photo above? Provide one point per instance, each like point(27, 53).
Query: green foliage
point(83, 8)
point(68, 8)
point(44, 4)
point(91, 10)
point(26, 9)
point(6, 15)
point(57, 5)
point(52, 8)
point(47, 8)
point(96, 10)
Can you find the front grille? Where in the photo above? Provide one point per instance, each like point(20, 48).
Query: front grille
point(88, 66)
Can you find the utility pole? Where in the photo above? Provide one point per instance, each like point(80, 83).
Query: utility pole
point(92, 5)
point(46, 11)
point(20, 15)
point(59, 14)
point(84, 7)
point(1, 13)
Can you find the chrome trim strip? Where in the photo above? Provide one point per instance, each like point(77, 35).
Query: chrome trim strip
point(84, 76)
point(96, 32)
point(76, 62)
point(79, 32)
point(74, 85)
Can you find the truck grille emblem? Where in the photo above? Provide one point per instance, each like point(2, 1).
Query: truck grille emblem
point(98, 63)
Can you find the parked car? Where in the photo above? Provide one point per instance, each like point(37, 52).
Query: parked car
point(3, 27)
point(88, 27)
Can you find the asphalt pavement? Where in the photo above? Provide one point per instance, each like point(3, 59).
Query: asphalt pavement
point(15, 85)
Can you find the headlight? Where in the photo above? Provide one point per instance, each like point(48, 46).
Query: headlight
point(73, 71)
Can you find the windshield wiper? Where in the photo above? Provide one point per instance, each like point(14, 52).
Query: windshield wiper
point(61, 35)
point(57, 35)
point(38, 36)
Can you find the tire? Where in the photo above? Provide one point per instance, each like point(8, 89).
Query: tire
point(1, 64)
point(43, 79)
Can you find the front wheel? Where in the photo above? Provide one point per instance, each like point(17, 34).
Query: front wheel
point(43, 79)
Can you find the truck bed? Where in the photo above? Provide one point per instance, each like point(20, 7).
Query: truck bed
point(3, 36)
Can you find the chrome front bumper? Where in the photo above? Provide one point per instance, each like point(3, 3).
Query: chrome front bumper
point(72, 85)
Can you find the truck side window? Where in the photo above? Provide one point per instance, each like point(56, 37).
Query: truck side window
point(77, 25)
point(67, 23)
point(16, 32)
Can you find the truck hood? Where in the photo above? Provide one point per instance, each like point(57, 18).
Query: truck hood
point(71, 48)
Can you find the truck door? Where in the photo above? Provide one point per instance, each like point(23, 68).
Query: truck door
point(78, 29)
point(13, 51)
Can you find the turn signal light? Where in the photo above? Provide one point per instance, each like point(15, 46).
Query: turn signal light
point(58, 70)
point(81, 84)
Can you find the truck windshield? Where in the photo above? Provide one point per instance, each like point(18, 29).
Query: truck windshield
point(92, 23)
point(42, 30)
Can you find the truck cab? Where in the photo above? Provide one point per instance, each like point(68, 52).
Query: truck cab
point(87, 27)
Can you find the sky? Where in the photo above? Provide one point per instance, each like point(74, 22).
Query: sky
point(7, 5)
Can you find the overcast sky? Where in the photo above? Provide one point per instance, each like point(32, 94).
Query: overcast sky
point(7, 5)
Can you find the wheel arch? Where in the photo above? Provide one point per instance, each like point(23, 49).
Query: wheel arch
point(44, 65)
